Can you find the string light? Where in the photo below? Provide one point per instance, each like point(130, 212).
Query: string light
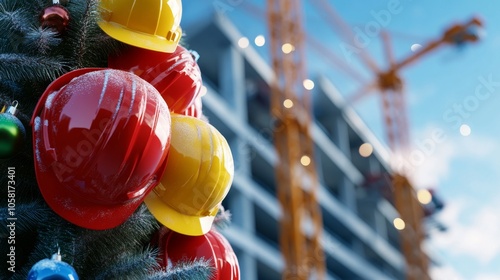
point(424, 196)
point(415, 47)
point(288, 103)
point(465, 130)
point(308, 84)
point(243, 42)
point(365, 150)
point(287, 48)
point(305, 160)
point(399, 224)
point(260, 41)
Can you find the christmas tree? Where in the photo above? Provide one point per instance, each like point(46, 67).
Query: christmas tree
point(42, 40)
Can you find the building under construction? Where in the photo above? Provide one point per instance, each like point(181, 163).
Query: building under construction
point(358, 238)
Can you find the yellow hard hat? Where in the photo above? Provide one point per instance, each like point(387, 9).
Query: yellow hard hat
point(148, 24)
point(197, 178)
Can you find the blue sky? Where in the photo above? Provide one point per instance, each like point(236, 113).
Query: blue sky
point(442, 93)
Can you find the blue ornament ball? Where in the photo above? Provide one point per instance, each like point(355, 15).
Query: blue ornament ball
point(52, 269)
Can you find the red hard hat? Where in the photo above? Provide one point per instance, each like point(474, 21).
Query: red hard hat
point(101, 139)
point(175, 75)
point(213, 246)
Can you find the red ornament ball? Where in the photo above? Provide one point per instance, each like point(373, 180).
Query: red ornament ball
point(56, 17)
point(175, 75)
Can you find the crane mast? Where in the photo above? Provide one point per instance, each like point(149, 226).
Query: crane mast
point(301, 223)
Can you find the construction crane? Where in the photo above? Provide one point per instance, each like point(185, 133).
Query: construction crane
point(390, 84)
point(301, 223)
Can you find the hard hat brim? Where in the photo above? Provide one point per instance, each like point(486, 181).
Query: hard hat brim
point(138, 39)
point(181, 223)
point(56, 194)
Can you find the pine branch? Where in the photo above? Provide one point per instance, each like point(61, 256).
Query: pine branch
point(41, 41)
point(12, 19)
point(29, 216)
point(132, 233)
point(187, 270)
point(13, 24)
point(132, 267)
point(19, 67)
point(121, 242)
point(9, 86)
point(87, 20)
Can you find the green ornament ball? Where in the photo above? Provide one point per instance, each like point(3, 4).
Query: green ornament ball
point(12, 135)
